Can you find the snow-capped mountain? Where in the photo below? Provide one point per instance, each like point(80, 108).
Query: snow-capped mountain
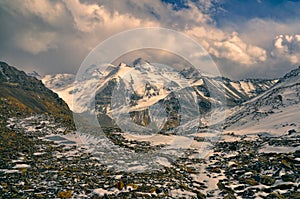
point(34, 74)
point(62, 84)
point(142, 91)
point(274, 111)
point(236, 91)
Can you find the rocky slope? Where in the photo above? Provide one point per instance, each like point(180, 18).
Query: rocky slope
point(39, 161)
point(21, 94)
point(275, 111)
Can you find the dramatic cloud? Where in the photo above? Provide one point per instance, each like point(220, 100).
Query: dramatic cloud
point(35, 42)
point(94, 17)
point(287, 47)
point(228, 46)
point(51, 12)
point(35, 23)
point(55, 36)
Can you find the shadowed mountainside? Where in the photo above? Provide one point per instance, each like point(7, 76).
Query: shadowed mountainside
point(21, 95)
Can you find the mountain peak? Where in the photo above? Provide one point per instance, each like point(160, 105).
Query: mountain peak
point(140, 61)
point(34, 74)
point(3, 76)
point(293, 73)
point(189, 72)
point(122, 65)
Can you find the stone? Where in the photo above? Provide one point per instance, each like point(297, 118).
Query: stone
point(297, 153)
point(267, 180)
point(251, 181)
point(200, 195)
point(64, 194)
point(120, 185)
point(274, 196)
point(289, 178)
point(229, 196)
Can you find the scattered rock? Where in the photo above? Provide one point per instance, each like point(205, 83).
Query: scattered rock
point(267, 180)
point(120, 185)
point(289, 178)
point(64, 194)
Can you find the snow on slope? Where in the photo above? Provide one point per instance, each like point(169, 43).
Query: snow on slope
point(62, 84)
point(236, 91)
point(276, 111)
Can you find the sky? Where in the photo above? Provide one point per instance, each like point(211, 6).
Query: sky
point(246, 39)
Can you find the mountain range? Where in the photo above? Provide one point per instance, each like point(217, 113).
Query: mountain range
point(276, 110)
point(148, 85)
point(237, 92)
point(256, 154)
point(252, 105)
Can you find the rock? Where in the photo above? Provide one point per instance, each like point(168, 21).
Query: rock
point(199, 139)
point(267, 180)
point(216, 170)
point(284, 186)
point(134, 186)
point(248, 193)
point(120, 185)
point(159, 190)
point(200, 195)
point(291, 131)
point(222, 187)
point(251, 181)
point(295, 195)
point(64, 194)
point(233, 146)
point(297, 153)
point(4, 185)
point(240, 187)
point(153, 190)
point(289, 178)
point(274, 196)
point(229, 196)
point(286, 163)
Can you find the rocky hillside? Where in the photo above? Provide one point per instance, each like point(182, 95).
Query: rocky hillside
point(276, 110)
point(22, 95)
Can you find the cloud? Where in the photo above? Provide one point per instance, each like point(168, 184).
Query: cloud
point(229, 46)
point(35, 24)
point(194, 21)
point(35, 42)
point(93, 17)
point(287, 47)
point(51, 12)
point(159, 11)
point(57, 35)
point(263, 31)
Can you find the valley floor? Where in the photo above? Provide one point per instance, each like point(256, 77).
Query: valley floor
point(38, 160)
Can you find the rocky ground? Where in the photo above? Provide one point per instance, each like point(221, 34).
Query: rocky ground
point(38, 161)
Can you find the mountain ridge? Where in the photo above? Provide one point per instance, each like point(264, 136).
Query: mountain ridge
point(238, 91)
point(275, 110)
point(22, 95)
